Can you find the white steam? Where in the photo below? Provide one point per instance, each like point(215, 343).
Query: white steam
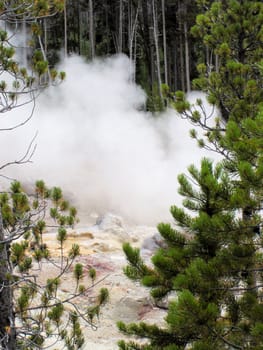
point(95, 143)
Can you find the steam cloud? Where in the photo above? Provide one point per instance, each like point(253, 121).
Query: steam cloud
point(96, 143)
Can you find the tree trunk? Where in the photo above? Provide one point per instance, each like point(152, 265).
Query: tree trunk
point(46, 76)
point(79, 28)
point(107, 26)
point(182, 63)
point(147, 41)
point(24, 45)
point(45, 34)
point(155, 35)
point(164, 44)
point(120, 27)
point(187, 64)
point(91, 30)
point(132, 24)
point(7, 320)
point(175, 69)
point(65, 31)
point(130, 36)
point(207, 59)
point(135, 57)
point(216, 63)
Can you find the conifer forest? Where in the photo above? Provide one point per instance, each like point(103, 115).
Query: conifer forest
point(206, 272)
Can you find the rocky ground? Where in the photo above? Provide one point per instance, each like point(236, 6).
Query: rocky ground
point(101, 247)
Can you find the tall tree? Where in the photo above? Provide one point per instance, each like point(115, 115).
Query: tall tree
point(91, 30)
point(157, 49)
point(31, 310)
point(65, 30)
point(232, 30)
point(145, 25)
point(164, 44)
point(121, 14)
point(210, 266)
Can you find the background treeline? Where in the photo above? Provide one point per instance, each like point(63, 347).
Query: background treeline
point(155, 34)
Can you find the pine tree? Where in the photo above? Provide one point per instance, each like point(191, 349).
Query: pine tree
point(232, 31)
point(32, 310)
point(210, 270)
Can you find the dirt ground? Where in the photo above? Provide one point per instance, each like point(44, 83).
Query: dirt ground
point(101, 248)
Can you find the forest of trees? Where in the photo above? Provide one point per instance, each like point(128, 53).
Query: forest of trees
point(154, 34)
point(208, 273)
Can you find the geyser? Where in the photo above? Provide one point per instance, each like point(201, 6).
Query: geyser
point(96, 143)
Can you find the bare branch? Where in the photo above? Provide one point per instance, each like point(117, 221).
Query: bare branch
point(26, 158)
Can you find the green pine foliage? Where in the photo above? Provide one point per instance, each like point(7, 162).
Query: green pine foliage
point(211, 261)
point(33, 312)
point(209, 269)
point(231, 33)
point(232, 30)
point(39, 311)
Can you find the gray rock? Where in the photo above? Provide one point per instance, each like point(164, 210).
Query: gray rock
point(109, 222)
point(131, 310)
point(151, 244)
point(112, 224)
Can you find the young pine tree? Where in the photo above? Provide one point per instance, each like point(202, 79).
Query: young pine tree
point(211, 267)
point(32, 309)
point(209, 263)
point(33, 313)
